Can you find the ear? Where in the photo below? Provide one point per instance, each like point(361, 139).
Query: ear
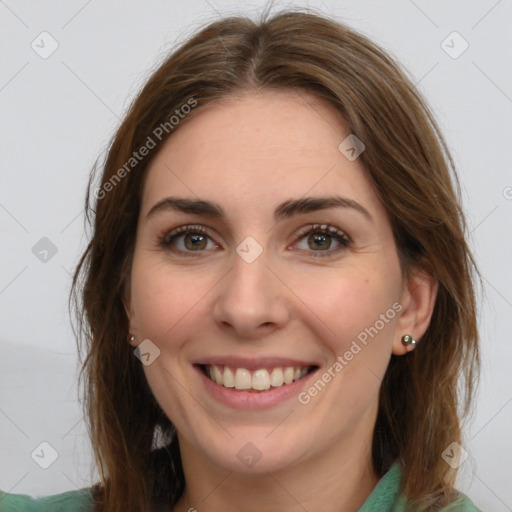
point(418, 300)
point(127, 303)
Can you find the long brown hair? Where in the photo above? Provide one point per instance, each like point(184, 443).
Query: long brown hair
point(409, 164)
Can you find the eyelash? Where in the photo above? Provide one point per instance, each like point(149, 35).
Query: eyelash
point(166, 240)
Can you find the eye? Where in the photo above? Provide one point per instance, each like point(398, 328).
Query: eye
point(321, 238)
point(187, 239)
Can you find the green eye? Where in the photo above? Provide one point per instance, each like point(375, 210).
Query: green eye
point(187, 239)
point(195, 242)
point(320, 239)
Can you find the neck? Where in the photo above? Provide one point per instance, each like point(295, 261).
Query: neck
point(339, 480)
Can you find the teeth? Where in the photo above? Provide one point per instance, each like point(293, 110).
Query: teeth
point(228, 379)
point(288, 375)
point(242, 379)
point(217, 375)
point(276, 377)
point(259, 380)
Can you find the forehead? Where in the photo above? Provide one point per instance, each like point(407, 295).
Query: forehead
point(254, 150)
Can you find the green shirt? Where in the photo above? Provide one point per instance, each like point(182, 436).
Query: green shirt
point(385, 497)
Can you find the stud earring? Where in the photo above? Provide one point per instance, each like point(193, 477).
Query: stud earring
point(131, 339)
point(407, 339)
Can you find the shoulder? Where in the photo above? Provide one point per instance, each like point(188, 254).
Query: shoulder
point(386, 497)
point(71, 501)
point(463, 504)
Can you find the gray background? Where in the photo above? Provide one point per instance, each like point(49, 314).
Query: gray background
point(58, 114)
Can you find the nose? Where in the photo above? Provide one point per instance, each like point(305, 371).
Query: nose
point(251, 300)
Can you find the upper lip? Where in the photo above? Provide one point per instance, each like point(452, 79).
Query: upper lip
point(253, 363)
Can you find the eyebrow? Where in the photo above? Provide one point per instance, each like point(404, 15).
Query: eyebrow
point(285, 210)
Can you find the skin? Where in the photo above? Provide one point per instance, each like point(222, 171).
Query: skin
point(249, 154)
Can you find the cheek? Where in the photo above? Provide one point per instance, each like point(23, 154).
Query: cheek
point(166, 301)
point(351, 304)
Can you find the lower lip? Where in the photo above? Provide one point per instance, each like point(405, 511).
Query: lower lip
point(238, 399)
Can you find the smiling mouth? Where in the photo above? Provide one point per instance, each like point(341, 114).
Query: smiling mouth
point(260, 380)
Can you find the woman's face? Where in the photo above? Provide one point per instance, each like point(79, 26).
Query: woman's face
point(261, 247)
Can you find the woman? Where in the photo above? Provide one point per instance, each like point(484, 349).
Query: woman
point(277, 296)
